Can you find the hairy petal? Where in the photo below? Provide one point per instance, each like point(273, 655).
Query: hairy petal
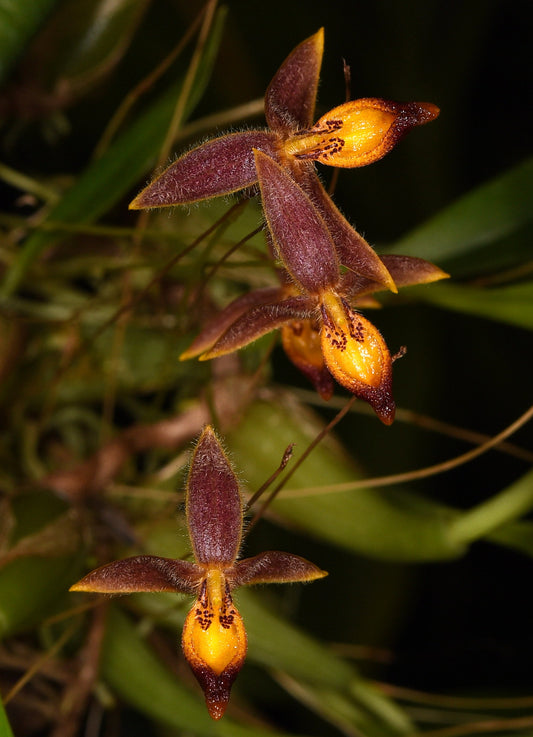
point(359, 132)
point(405, 270)
point(291, 95)
point(142, 573)
point(213, 503)
point(218, 167)
point(273, 566)
point(299, 232)
point(354, 252)
point(410, 270)
point(258, 322)
point(221, 322)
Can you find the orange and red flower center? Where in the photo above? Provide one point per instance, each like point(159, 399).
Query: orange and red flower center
point(214, 632)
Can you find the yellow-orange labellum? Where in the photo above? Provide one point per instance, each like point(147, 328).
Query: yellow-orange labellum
point(214, 641)
point(353, 348)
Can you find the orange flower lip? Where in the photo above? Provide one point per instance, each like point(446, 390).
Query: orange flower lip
point(214, 641)
point(359, 132)
point(357, 356)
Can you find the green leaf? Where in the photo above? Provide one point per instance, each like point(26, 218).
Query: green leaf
point(31, 586)
point(109, 178)
point(19, 20)
point(515, 535)
point(385, 523)
point(507, 506)
point(273, 642)
point(91, 36)
point(5, 729)
point(510, 304)
point(485, 215)
point(277, 644)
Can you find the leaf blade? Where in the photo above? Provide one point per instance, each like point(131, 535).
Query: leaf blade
point(19, 20)
point(484, 215)
point(106, 180)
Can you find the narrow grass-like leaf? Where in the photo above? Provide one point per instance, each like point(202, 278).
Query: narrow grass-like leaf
point(106, 180)
point(344, 712)
point(91, 37)
point(508, 505)
point(515, 535)
point(278, 644)
point(389, 524)
point(19, 20)
point(5, 729)
point(487, 214)
point(510, 304)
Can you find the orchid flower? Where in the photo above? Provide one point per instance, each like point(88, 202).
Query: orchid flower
point(214, 638)
point(322, 332)
point(354, 134)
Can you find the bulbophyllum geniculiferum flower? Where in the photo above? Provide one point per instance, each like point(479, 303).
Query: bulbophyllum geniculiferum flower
point(322, 332)
point(214, 638)
point(354, 134)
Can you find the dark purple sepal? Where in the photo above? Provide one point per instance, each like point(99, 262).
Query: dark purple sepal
point(291, 95)
point(259, 321)
point(410, 270)
point(219, 167)
point(407, 271)
point(299, 231)
point(142, 573)
point(213, 503)
point(354, 252)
